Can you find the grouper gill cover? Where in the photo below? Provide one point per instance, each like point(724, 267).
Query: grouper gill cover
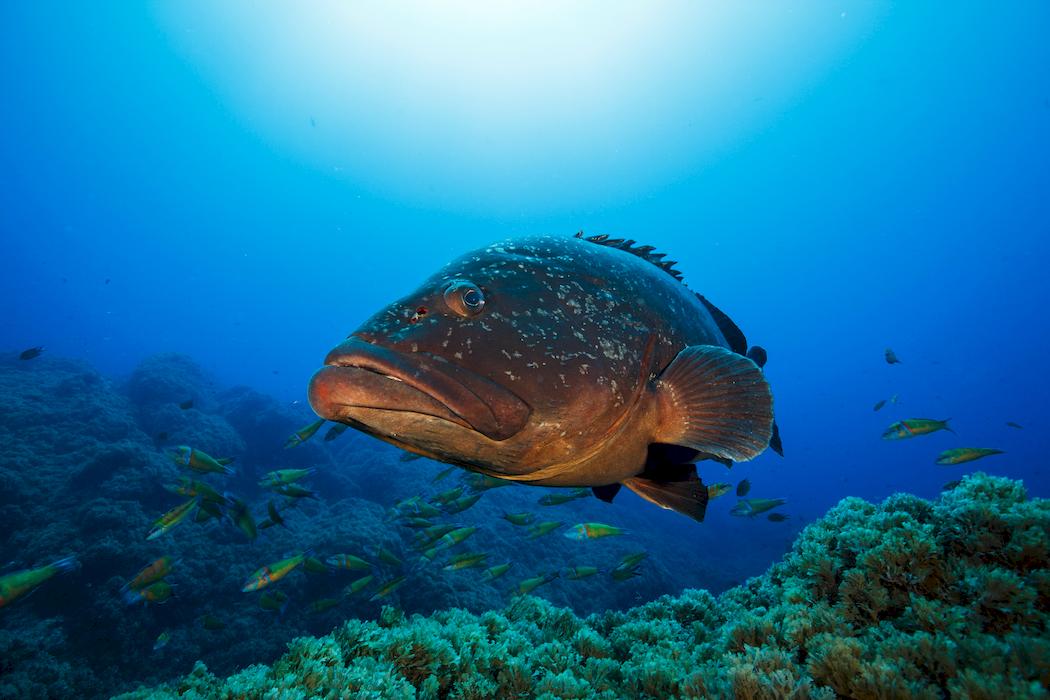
point(524, 350)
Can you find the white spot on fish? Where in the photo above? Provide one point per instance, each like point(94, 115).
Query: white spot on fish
point(613, 349)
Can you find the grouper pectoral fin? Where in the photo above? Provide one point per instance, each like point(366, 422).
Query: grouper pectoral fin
point(676, 488)
point(715, 401)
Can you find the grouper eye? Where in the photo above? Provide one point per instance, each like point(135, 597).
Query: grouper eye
point(464, 297)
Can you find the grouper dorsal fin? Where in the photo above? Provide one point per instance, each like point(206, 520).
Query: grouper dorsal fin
point(645, 252)
point(716, 401)
point(734, 336)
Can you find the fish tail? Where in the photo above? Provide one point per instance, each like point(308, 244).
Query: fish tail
point(947, 427)
point(66, 564)
point(131, 597)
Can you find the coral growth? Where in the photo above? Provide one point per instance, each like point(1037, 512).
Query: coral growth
point(84, 472)
point(907, 599)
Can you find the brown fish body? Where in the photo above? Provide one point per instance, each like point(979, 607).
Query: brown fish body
point(557, 380)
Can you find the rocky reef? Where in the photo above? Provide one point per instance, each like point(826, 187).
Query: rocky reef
point(84, 472)
point(905, 599)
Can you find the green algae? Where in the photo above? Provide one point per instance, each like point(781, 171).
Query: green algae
point(906, 599)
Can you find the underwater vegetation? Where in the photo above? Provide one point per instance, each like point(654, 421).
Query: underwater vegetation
point(905, 599)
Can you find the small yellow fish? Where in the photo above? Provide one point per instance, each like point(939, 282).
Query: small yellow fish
point(592, 531)
point(750, 507)
point(557, 499)
point(335, 431)
point(17, 584)
point(348, 561)
point(274, 516)
point(273, 572)
point(273, 602)
point(624, 573)
point(162, 640)
point(314, 565)
point(201, 462)
point(718, 489)
point(455, 537)
point(442, 474)
point(242, 517)
point(430, 535)
point(531, 584)
point(153, 571)
point(912, 427)
point(294, 491)
point(156, 592)
point(172, 518)
point(575, 573)
point(965, 454)
point(631, 560)
point(447, 496)
point(389, 588)
point(281, 477)
point(358, 585)
point(206, 510)
point(494, 572)
point(483, 482)
point(388, 557)
point(303, 434)
point(544, 528)
point(461, 504)
point(190, 488)
point(466, 561)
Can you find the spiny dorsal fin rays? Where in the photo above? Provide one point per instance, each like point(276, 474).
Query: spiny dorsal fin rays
point(645, 252)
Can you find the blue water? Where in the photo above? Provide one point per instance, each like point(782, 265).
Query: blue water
point(245, 185)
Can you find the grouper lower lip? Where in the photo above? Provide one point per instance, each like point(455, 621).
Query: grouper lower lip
point(367, 375)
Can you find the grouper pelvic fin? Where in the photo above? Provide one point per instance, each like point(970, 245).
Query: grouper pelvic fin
point(675, 487)
point(715, 401)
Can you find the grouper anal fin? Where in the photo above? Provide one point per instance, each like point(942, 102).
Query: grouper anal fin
point(606, 493)
point(675, 487)
point(715, 401)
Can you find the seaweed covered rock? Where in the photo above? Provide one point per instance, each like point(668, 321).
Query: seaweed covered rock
point(907, 599)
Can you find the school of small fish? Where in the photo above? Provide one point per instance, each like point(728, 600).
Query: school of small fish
point(908, 428)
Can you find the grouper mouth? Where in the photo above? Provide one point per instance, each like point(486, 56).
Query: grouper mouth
point(360, 374)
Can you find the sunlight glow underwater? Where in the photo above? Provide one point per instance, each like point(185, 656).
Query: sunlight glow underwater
point(615, 98)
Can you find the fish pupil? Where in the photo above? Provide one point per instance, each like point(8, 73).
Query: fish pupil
point(472, 298)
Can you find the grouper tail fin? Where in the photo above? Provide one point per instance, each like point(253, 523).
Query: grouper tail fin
point(716, 401)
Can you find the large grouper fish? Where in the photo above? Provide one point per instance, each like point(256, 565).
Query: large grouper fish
point(557, 361)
